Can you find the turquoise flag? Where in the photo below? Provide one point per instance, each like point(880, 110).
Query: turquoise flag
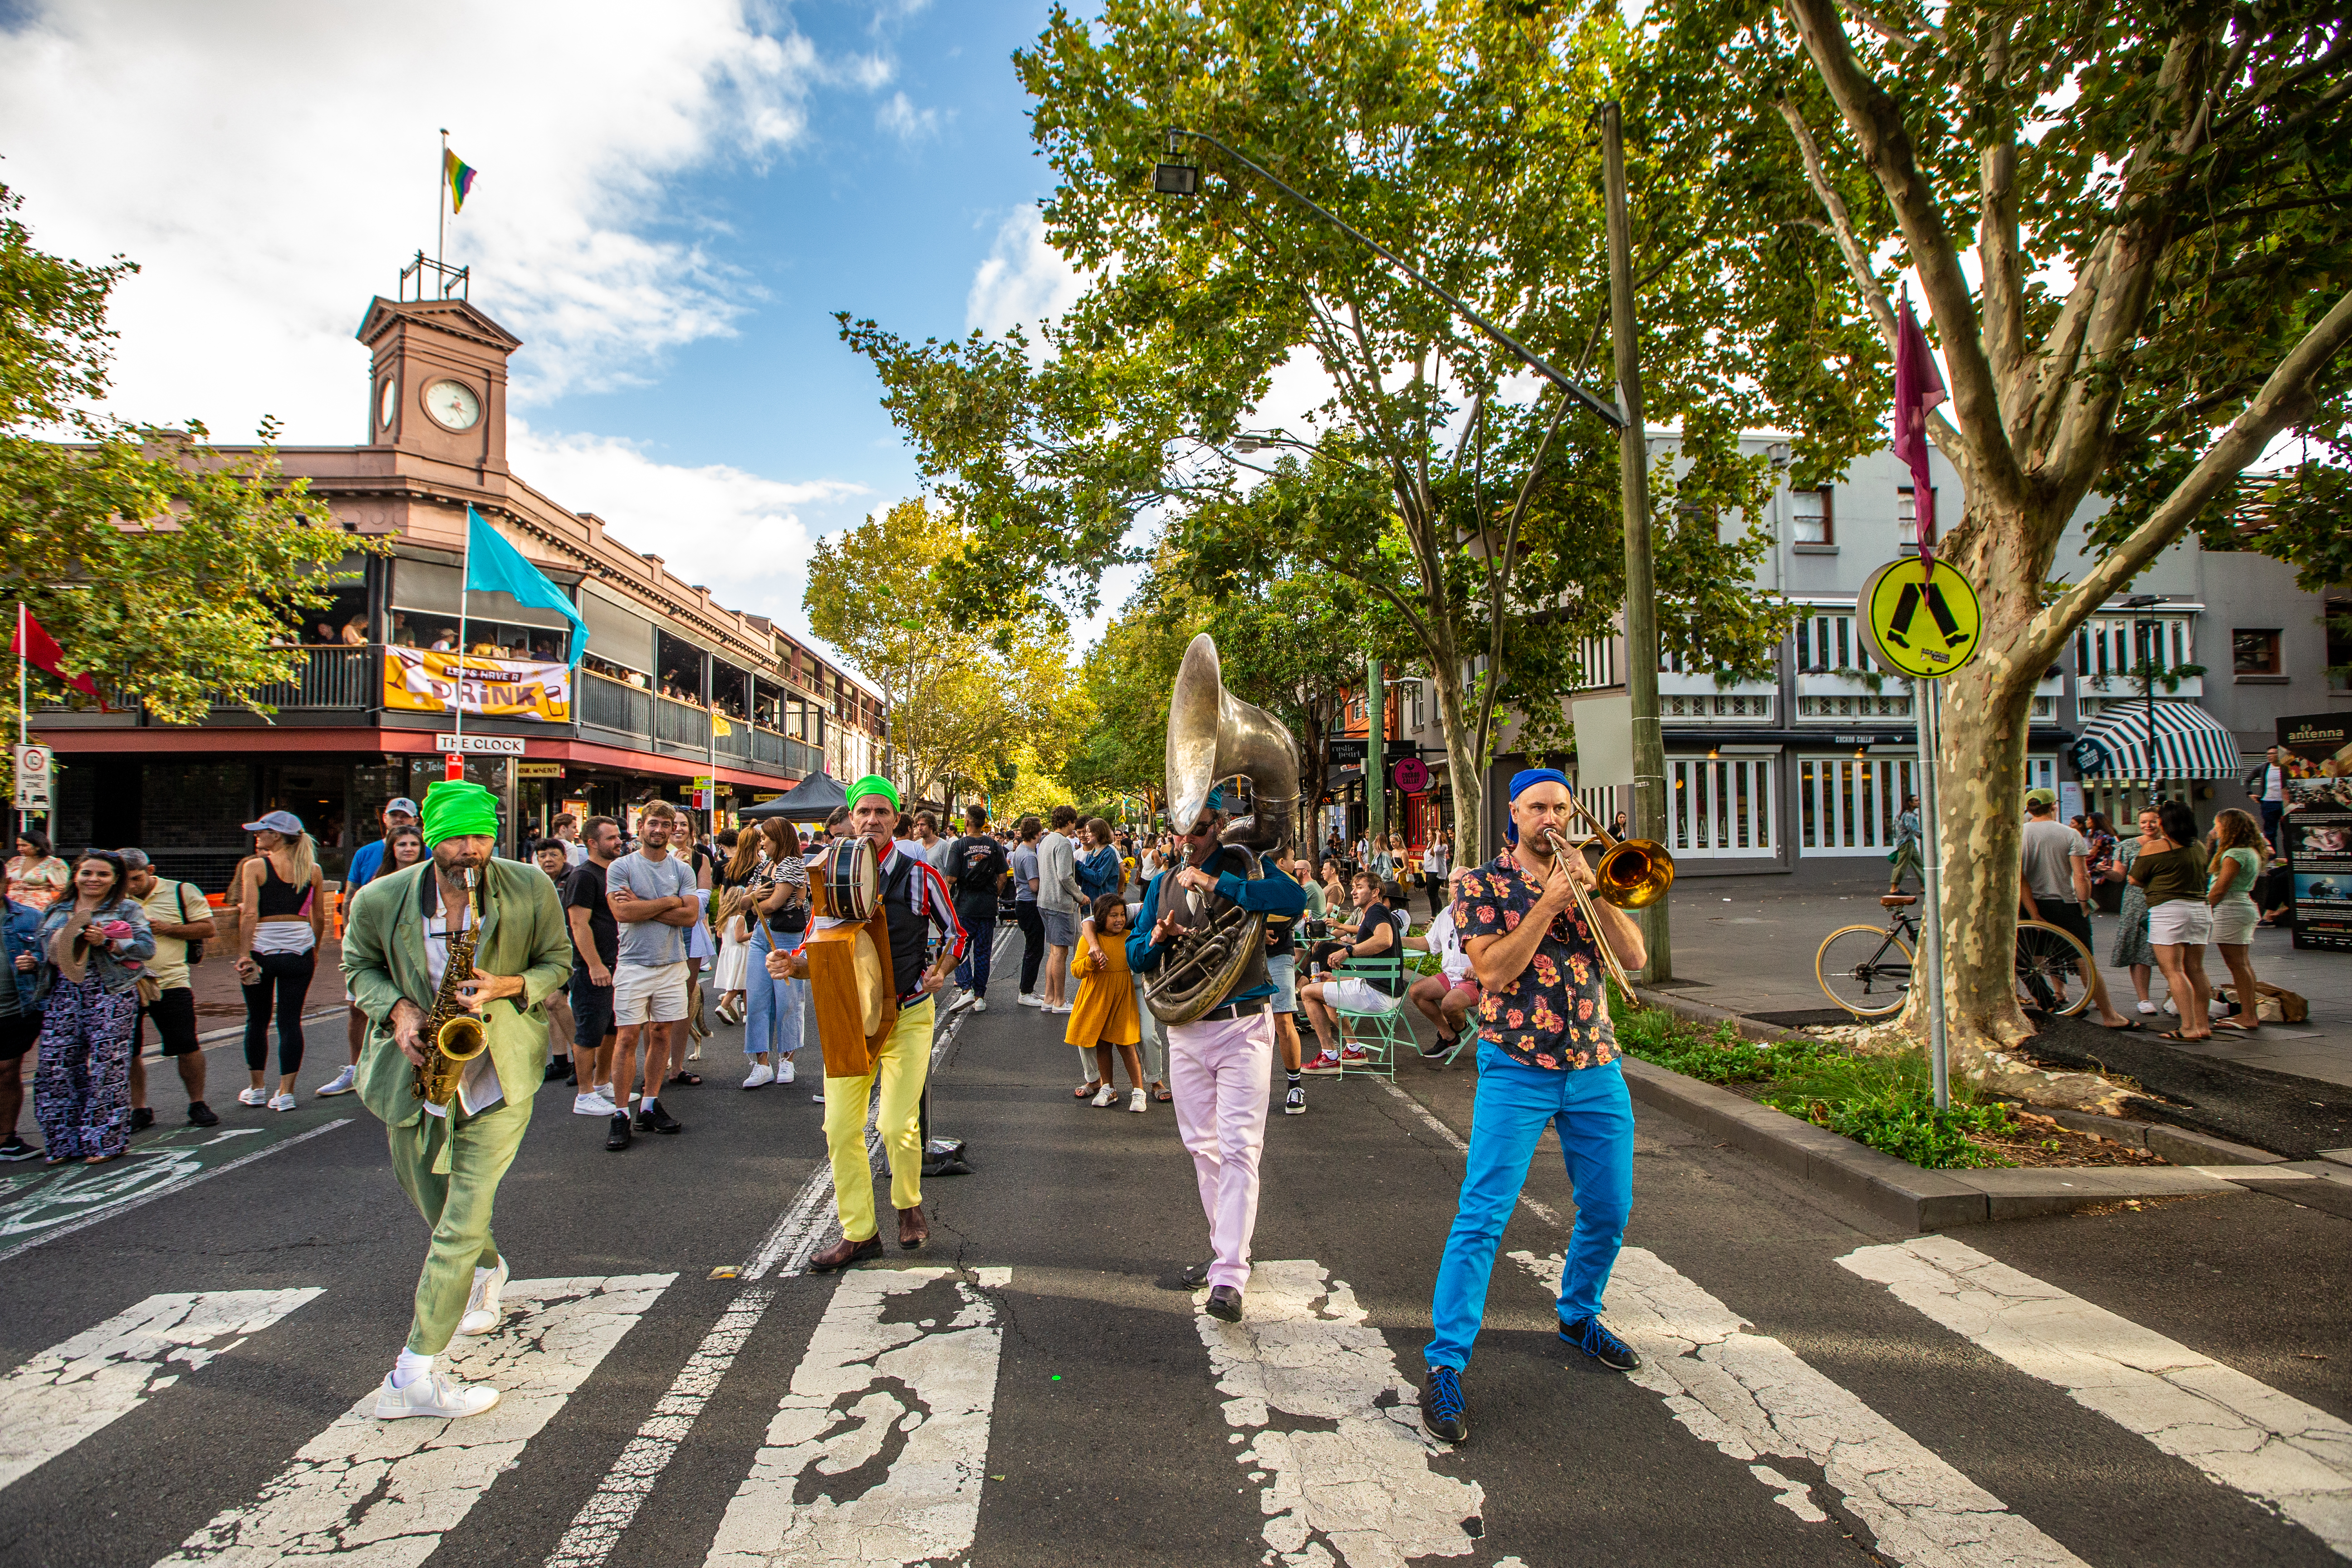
point(492, 565)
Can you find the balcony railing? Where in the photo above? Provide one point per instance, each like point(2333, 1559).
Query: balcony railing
point(351, 679)
point(680, 723)
point(609, 705)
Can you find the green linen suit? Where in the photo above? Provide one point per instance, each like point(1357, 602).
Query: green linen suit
point(450, 1166)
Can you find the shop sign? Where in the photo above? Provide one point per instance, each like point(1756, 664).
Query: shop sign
point(538, 770)
point(480, 745)
point(416, 680)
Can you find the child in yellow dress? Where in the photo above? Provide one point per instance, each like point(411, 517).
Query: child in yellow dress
point(1105, 1014)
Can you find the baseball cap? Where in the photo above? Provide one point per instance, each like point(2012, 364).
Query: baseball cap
point(284, 821)
point(134, 859)
point(2041, 797)
point(401, 803)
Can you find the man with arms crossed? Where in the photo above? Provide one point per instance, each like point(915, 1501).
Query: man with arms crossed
point(1547, 1057)
point(916, 901)
point(651, 892)
point(367, 865)
point(596, 949)
point(449, 1158)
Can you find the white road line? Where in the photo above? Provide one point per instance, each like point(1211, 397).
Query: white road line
point(1542, 1210)
point(1349, 1483)
point(191, 1176)
point(388, 1491)
point(2240, 1432)
point(875, 1455)
point(597, 1527)
point(79, 1385)
point(1754, 1399)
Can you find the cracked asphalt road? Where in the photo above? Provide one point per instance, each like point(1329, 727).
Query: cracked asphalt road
point(1110, 1439)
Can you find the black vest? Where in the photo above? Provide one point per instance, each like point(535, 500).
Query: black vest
point(910, 931)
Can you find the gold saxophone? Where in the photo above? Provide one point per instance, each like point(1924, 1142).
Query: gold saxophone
point(453, 1037)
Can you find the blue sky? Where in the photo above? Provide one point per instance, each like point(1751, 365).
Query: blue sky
point(672, 202)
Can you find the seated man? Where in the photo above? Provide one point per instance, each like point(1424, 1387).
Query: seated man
point(1446, 997)
point(1375, 935)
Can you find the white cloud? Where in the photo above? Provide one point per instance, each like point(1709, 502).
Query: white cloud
point(743, 535)
point(900, 118)
point(1024, 280)
point(267, 165)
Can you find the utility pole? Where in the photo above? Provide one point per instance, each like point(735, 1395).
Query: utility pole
point(1648, 816)
point(1376, 728)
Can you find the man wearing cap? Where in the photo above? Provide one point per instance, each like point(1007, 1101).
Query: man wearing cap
point(2053, 880)
point(916, 901)
point(449, 1158)
point(178, 914)
point(367, 864)
point(1547, 1057)
point(1220, 1064)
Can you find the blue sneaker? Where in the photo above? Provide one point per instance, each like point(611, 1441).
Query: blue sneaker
point(1444, 1414)
point(1593, 1337)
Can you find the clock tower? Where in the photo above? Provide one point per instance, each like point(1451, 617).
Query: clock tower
point(438, 383)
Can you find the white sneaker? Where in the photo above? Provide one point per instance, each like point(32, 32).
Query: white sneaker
point(1065, 1007)
point(483, 1306)
point(784, 1069)
point(256, 1098)
point(963, 1000)
point(1029, 1000)
point(339, 1084)
point(595, 1102)
point(761, 1073)
point(2170, 1008)
point(1106, 1095)
point(282, 1102)
point(436, 1393)
point(1136, 1101)
point(2145, 1007)
point(980, 1004)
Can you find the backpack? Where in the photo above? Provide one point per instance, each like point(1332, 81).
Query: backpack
point(975, 859)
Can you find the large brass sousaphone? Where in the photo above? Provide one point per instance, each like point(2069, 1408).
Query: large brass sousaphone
point(1213, 736)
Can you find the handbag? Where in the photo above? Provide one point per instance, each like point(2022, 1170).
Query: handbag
point(790, 919)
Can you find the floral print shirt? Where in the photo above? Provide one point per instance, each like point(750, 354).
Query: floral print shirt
point(1554, 1015)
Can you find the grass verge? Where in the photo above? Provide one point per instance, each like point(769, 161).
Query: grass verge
point(1882, 1100)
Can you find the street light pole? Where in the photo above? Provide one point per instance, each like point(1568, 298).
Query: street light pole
point(1649, 813)
point(1376, 738)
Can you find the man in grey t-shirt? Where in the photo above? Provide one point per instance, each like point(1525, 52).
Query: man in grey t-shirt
point(2054, 887)
point(651, 891)
point(1023, 859)
point(1059, 904)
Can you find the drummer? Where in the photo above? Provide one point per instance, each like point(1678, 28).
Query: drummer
point(915, 900)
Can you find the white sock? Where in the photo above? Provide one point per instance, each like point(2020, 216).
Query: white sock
point(410, 1367)
point(481, 1274)
point(646, 1106)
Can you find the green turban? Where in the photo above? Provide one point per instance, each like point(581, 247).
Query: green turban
point(875, 784)
point(458, 808)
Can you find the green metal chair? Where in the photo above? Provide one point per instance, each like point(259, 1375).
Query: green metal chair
point(1378, 1034)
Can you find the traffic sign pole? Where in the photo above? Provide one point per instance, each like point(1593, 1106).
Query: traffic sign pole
point(1929, 697)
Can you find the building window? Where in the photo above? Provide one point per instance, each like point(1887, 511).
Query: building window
point(2254, 652)
point(1813, 515)
point(1906, 515)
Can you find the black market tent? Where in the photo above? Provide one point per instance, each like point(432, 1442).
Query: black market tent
point(2178, 741)
point(812, 800)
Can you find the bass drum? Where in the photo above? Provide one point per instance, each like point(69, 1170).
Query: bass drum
point(847, 880)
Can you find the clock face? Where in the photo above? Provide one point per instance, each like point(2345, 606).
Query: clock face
point(453, 403)
point(387, 402)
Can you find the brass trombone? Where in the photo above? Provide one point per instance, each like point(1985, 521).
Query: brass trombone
point(1632, 874)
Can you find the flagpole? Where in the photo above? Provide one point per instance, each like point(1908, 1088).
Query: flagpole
point(24, 719)
point(441, 205)
point(465, 570)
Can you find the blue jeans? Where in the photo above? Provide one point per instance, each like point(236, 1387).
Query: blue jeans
point(979, 946)
point(771, 1020)
point(1595, 1118)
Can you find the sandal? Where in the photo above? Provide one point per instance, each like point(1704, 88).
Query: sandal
point(1159, 1093)
point(2188, 1039)
point(1087, 1091)
point(691, 1079)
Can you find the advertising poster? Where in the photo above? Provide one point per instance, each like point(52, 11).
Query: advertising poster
point(2318, 828)
point(416, 680)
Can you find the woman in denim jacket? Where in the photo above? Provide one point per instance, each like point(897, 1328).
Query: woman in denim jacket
point(20, 1019)
point(93, 949)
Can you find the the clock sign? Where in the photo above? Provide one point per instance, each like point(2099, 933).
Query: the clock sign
point(453, 403)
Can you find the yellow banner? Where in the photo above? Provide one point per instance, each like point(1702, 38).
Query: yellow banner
point(416, 680)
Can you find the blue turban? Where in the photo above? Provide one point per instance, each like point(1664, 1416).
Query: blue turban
point(1520, 783)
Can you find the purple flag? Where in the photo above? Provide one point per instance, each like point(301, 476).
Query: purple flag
point(1918, 387)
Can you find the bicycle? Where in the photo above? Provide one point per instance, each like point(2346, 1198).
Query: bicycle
point(1866, 969)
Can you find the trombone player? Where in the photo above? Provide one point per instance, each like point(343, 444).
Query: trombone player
point(449, 1158)
point(1543, 949)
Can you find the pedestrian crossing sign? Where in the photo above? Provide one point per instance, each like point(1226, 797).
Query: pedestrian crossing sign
point(1925, 626)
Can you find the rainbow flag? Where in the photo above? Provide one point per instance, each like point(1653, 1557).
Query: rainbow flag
point(461, 176)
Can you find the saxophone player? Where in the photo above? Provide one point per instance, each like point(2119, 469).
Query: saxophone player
point(449, 1158)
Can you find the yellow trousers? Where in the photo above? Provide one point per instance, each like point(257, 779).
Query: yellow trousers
point(904, 1066)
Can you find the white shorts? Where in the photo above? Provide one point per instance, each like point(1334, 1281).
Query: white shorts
point(2186, 922)
point(648, 993)
point(2233, 921)
point(1353, 994)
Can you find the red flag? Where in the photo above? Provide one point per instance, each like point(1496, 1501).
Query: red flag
point(1918, 387)
point(36, 643)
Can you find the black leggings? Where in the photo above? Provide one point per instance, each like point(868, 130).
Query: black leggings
point(288, 973)
point(1033, 944)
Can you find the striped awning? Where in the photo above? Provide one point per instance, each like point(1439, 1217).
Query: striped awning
point(2178, 741)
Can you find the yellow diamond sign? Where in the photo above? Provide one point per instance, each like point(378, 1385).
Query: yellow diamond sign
point(1923, 624)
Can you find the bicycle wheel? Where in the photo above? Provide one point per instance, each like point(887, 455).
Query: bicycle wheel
point(1866, 969)
point(2049, 958)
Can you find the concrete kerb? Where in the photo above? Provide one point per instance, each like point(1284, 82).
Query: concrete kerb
point(1902, 1193)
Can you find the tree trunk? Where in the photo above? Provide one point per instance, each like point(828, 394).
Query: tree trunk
point(1464, 780)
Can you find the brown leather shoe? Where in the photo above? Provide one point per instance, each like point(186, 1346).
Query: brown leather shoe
point(844, 1253)
point(912, 1231)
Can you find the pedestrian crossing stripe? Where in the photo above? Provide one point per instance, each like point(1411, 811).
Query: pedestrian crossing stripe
point(391, 1489)
point(2292, 1457)
point(79, 1385)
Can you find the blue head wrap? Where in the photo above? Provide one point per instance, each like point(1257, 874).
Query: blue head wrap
point(1520, 781)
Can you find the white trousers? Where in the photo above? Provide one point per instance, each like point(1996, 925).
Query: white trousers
point(1221, 1074)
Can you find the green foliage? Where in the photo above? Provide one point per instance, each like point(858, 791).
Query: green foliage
point(1724, 1057)
point(163, 567)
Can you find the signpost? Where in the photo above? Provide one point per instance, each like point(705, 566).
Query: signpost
point(34, 769)
point(1925, 625)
